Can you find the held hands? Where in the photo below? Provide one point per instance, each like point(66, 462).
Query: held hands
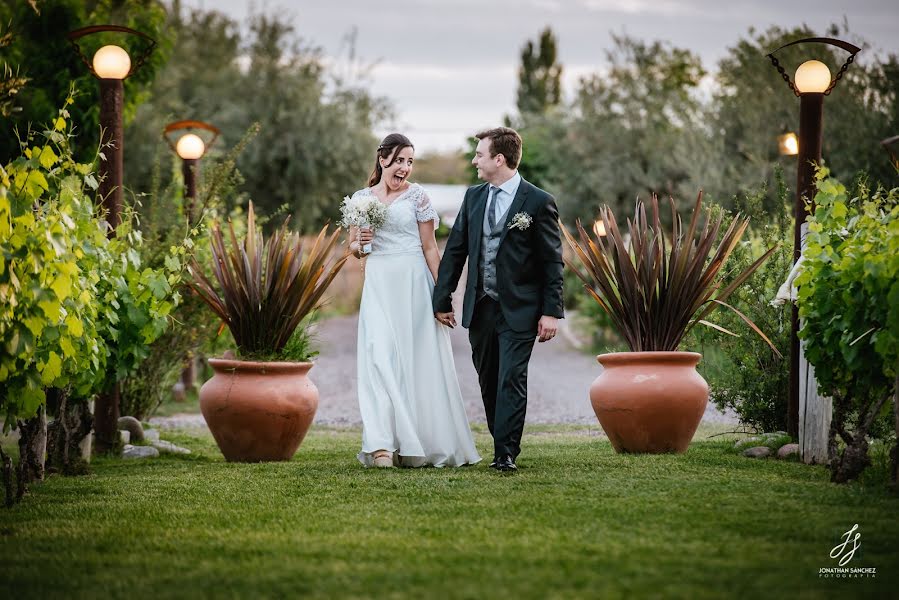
point(447, 318)
point(547, 328)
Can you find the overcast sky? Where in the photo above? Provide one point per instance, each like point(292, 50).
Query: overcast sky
point(450, 66)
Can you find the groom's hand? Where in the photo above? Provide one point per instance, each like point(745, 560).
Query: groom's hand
point(547, 328)
point(447, 318)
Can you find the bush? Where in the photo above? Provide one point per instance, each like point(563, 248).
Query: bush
point(657, 285)
point(79, 309)
point(266, 288)
point(849, 301)
point(744, 373)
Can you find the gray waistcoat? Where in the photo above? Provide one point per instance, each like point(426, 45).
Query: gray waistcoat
point(487, 259)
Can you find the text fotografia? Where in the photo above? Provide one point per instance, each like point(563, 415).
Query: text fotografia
point(847, 572)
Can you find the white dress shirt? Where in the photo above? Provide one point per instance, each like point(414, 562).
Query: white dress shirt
point(505, 193)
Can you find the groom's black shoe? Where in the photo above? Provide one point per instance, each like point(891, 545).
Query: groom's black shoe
point(493, 464)
point(506, 464)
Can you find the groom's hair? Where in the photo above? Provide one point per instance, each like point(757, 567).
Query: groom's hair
point(505, 141)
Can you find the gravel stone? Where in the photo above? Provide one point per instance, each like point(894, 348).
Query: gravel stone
point(757, 452)
point(788, 450)
point(139, 452)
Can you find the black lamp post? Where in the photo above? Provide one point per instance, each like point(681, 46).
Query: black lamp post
point(812, 82)
point(190, 147)
point(111, 65)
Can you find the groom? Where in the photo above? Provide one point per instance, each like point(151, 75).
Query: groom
point(508, 230)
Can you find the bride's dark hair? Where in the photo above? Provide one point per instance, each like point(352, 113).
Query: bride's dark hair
point(388, 149)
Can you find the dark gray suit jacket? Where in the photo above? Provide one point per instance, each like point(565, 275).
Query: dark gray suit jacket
point(528, 262)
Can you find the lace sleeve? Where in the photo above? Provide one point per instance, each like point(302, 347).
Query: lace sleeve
point(424, 210)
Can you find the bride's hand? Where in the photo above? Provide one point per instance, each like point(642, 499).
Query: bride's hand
point(364, 236)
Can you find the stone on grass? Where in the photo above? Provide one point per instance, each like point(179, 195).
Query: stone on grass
point(133, 426)
point(125, 435)
point(139, 452)
point(788, 450)
point(151, 435)
point(164, 446)
point(757, 452)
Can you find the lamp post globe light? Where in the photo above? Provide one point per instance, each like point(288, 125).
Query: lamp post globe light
point(788, 144)
point(812, 82)
point(190, 147)
point(111, 62)
point(111, 65)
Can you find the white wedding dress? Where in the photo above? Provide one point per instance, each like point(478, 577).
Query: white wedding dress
point(409, 394)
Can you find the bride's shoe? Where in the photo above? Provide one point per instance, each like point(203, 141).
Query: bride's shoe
point(382, 459)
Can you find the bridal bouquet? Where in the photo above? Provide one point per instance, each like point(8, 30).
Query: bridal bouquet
point(364, 211)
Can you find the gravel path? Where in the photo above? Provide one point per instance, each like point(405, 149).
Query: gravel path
point(558, 382)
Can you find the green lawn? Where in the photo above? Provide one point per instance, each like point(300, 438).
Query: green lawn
point(576, 521)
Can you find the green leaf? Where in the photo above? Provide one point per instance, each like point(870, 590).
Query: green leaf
point(52, 369)
point(158, 285)
point(31, 399)
point(51, 308)
point(37, 179)
point(68, 350)
point(47, 157)
point(74, 326)
point(20, 343)
point(62, 286)
point(35, 325)
point(172, 263)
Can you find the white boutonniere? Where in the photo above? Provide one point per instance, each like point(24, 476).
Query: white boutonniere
point(521, 221)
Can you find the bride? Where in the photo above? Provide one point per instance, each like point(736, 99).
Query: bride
point(409, 397)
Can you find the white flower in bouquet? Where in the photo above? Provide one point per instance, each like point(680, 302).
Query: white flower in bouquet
point(363, 211)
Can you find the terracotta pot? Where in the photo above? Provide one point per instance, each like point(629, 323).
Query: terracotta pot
point(258, 411)
point(649, 401)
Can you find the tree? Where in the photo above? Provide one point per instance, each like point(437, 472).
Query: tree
point(539, 76)
point(539, 96)
point(315, 142)
point(39, 51)
point(633, 131)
